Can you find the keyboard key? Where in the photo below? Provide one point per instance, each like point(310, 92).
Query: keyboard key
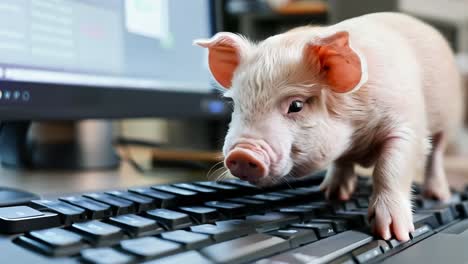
point(317, 208)
point(315, 191)
point(367, 252)
point(18, 212)
point(194, 187)
point(189, 239)
point(303, 213)
point(462, 208)
point(68, 213)
point(318, 203)
point(394, 243)
point(423, 203)
point(60, 241)
point(362, 202)
point(53, 242)
point(161, 199)
point(142, 203)
point(364, 190)
point(174, 190)
point(20, 219)
point(444, 213)
point(222, 232)
point(348, 205)
point(245, 186)
point(296, 236)
point(203, 191)
point(119, 206)
point(294, 196)
point(98, 233)
point(150, 247)
point(310, 192)
point(201, 214)
point(236, 223)
point(228, 209)
point(11, 197)
point(323, 250)
point(245, 249)
point(271, 199)
point(322, 229)
point(105, 256)
point(287, 196)
point(223, 188)
point(94, 209)
point(420, 230)
point(353, 219)
point(339, 225)
point(56, 237)
point(428, 219)
point(170, 219)
point(183, 196)
point(297, 191)
point(191, 257)
point(136, 225)
point(384, 245)
point(417, 188)
point(464, 195)
point(271, 221)
point(252, 205)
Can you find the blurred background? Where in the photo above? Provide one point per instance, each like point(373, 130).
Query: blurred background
point(258, 19)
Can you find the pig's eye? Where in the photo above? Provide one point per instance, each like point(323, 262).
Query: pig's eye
point(295, 106)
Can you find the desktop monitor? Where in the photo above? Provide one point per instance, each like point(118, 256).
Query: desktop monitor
point(96, 59)
point(77, 59)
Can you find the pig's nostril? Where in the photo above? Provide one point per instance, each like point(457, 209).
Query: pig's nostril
point(233, 162)
point(253, 165)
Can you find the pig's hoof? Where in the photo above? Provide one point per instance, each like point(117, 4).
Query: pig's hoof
point(339, 189)
point(437, 190)
point(390, 215)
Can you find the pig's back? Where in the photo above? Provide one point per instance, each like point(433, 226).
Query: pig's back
point(439, 76)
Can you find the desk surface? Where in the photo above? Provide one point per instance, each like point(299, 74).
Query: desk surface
point(47, 182)
point(57, 182)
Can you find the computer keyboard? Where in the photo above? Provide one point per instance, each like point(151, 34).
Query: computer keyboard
point(228, 221)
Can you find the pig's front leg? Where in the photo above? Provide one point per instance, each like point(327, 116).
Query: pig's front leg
point(402, 157)
point(340, 181)
point(435, 183)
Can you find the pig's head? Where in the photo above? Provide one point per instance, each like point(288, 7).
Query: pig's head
point(290, 96)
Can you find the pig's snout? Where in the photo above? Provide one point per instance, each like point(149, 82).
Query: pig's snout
point(246, 164)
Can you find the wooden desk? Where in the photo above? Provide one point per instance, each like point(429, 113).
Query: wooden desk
point(49, 183)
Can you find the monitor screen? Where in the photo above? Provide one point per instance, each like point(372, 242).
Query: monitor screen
point(141, 44)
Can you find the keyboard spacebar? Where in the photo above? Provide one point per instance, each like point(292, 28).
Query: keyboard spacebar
point(323, 250)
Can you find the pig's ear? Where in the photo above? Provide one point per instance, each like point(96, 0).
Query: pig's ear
point(344, 69)
point(225, 52)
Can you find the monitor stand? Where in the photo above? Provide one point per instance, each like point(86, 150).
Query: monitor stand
point(77, 145)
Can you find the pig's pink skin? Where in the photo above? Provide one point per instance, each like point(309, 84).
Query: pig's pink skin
point(413, 93)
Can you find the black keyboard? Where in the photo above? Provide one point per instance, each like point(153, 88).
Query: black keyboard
point(228, 221)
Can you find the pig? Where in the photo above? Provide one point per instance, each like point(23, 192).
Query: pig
point(380, 90)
